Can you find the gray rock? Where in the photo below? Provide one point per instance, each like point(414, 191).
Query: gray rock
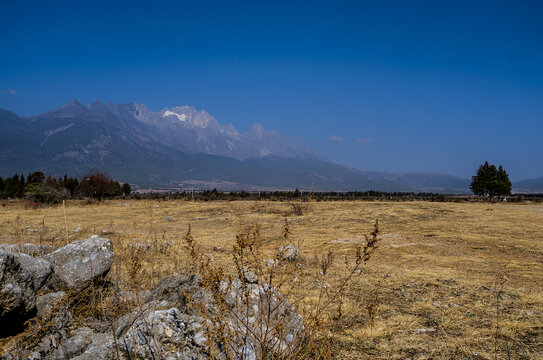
point(82, 344)
point(77, 265)
point(168, 332)
point(246, 316)
point(271, 263)
point(102, 347)
point(140, 246)
point(21, 276)
point(425, 330)
point(251, 303)
point(173, 291)
point(289, 253)
point(29, 249)
point(171, 326)
point(46, 303)
point(250, 276)
point(79, 340)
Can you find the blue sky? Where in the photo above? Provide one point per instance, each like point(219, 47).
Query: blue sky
point(381, 85)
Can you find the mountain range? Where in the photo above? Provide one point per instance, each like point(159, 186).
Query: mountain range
point(182, 147)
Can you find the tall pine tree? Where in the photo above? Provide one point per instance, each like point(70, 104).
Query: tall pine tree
point(503, 184)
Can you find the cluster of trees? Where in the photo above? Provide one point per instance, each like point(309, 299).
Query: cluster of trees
point(17, 186)
point(491, 181)
point(99, 185)
point(40, 188)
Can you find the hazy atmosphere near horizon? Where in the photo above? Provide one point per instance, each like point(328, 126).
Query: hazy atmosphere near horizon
point(389, 86)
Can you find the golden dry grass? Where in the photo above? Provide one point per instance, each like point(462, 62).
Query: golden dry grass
point(444, 277)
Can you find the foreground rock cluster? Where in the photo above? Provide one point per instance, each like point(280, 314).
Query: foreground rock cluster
point(182, 318)
point(72, 267)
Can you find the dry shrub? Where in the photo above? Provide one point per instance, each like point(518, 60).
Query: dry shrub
point(300, 208)
point(278, 285)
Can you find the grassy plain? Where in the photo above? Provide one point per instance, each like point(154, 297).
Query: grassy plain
point(449, 280)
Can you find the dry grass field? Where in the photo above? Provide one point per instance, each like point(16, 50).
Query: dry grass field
point(448, 281)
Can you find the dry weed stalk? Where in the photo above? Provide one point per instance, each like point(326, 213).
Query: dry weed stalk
point(362, 255)
point(326, 262)
point(286, 231)
point(65, 220)
point(135, 267)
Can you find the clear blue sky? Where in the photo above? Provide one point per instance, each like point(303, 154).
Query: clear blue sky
point(390, 86)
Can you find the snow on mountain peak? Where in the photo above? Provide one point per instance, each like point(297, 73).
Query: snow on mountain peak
point(190, 116)
point(181, 117)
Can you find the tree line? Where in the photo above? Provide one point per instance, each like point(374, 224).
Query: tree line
point(317, 196)
point(489, 181)
point(295, 195)
point(41, 188)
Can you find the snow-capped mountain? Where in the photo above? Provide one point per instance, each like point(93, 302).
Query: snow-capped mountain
point(194, 130)
point(184, 128)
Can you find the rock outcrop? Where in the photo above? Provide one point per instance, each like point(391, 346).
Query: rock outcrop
point(21, 276)
point(184, 317)
point(77, 265)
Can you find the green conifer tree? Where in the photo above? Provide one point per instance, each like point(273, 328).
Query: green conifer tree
point(127, 190)
point(503, 184)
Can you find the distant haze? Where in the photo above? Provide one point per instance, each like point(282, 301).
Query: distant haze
point(380, 86)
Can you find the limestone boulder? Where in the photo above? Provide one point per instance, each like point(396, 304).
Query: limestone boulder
point(21, 276)
point(76, 265)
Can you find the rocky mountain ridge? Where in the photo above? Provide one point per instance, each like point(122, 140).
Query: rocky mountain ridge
point(180, 146)
point(188, 129)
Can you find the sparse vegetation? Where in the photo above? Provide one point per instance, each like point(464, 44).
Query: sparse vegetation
point(300, 208)
point(435, 289)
